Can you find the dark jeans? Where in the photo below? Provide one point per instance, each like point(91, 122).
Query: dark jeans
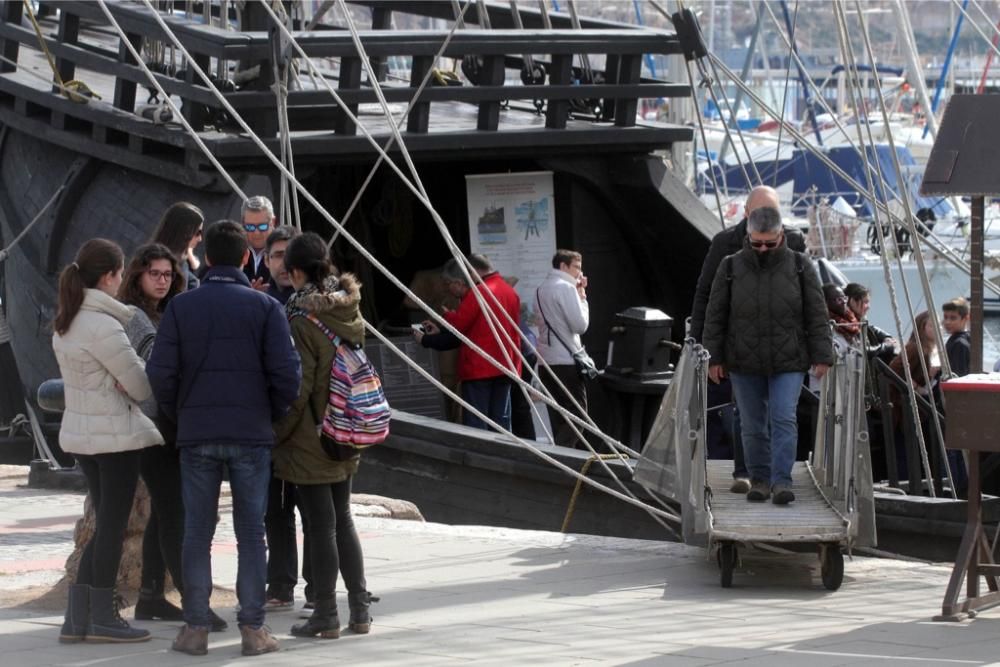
point(332, 537)
point(282, 547)
point(562, 429)
point(161, 543)
point(522, 424)
point(723, 427)
point(111, 480)
point(491, 397)
point(201, 476)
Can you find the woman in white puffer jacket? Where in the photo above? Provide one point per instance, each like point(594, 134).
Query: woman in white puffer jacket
point(103, 427)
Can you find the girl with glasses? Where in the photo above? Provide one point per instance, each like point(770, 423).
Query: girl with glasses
point(152, 279)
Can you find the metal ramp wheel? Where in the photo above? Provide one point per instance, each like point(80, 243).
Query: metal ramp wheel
point(727, 563)
point(832, 568)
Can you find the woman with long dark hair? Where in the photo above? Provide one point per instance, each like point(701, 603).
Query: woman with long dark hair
point(152, 279)
point(180, 229)
point(103, 428)
point(322, 483)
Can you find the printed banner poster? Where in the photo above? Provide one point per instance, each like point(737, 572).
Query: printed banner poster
point(512, 220)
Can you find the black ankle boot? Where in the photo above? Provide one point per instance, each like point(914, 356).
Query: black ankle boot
point(360, 622)
point(106, 623)
point(151, 608)
point(217, 623)
point(74, 628)
point(324, 622)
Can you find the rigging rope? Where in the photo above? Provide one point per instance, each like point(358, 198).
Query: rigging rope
point(492, 316)
point(166, 98)
point(75, 91)
point(330, 219)
point(5, 252)
point(918, 254)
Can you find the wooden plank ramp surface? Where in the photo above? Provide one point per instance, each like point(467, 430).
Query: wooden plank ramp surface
point(809, 519)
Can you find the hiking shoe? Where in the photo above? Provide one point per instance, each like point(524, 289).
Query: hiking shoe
point(257, 641)
point(759, 491)
point(277, 604)
point(740, 485)
point(193, 641)
point(782, 494)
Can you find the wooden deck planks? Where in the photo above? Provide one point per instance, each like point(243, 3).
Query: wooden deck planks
point(807, 519)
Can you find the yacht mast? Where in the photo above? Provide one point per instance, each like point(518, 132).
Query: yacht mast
point(909, 49)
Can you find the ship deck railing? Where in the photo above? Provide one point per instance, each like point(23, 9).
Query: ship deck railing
point(86, 48)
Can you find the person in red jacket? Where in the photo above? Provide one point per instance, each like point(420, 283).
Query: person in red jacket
point(483, 385)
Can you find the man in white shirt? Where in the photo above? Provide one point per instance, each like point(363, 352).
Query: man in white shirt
point(562, 307)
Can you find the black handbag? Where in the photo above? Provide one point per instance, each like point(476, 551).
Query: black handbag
point(584, 363)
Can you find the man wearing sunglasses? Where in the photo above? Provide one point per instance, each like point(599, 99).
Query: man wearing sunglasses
point(258, 223)
point(727, 242)
point(765, 326)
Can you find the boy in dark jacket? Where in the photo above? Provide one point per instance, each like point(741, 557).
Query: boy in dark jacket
point(224, 369)
point(958, 345)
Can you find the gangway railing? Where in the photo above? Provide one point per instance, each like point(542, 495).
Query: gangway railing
point(674, 460)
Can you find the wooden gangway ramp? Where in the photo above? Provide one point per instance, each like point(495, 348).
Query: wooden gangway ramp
point(809, 519)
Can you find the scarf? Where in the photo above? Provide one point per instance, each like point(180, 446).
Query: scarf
point(847, 325)
point(331, 284)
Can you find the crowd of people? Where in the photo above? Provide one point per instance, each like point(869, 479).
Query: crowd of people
point(180, 374)
point(770, 326)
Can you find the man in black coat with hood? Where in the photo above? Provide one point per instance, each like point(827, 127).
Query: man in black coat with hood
point(728, 242)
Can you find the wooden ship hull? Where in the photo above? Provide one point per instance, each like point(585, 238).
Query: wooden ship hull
point(111, 173)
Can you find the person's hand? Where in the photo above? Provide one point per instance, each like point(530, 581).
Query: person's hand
point(259, 284)
point(716, 373)
point(819, 370)
point(192, 259)
point(430, 327)
point(581, 286)
point(891, 342)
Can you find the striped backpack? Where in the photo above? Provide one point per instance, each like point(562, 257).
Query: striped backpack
point(357, 414)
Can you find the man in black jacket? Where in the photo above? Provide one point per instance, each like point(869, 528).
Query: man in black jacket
point(727, 242)
point(765, 326)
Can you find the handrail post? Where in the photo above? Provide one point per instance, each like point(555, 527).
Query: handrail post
point(557, 111)
point(493, 75)
point(10, 12)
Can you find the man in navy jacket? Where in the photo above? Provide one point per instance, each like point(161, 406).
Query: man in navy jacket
point(223, 366)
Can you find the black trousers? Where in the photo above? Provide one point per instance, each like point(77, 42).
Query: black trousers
point(333, 540)
point(160, 468)
point(282, 546)
point(562, 430)
point(111, 480)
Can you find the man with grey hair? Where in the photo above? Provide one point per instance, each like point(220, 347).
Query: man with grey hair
point(257, 215)
point(725, 243)
point(765, 325)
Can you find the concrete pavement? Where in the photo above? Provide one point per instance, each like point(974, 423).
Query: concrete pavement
point(460, 594)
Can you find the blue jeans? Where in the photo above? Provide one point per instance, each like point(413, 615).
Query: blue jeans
point(201, 478)
point(491, 397)
point(770, 431)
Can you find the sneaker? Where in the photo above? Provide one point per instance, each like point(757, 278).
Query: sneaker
point(257, 641)
point(782, 494)
point(740, 485)
point(277, 604)
point(759, 491)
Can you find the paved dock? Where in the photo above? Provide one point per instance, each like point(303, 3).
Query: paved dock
point(461, 594)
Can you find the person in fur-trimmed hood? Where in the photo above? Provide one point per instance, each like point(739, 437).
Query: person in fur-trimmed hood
point(323, 483)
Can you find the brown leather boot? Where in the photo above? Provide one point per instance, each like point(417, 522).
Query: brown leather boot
point(192, 641)
point(257, 641)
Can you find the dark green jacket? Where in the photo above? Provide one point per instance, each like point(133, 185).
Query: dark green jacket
point(758, 320)
point(299, 458)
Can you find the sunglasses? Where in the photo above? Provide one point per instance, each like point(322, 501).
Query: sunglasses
point(262, 227)
point(765, 244)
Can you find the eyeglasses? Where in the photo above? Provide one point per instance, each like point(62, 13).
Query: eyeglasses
point(262, 227)
point(765, 244)
point(160, 275)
